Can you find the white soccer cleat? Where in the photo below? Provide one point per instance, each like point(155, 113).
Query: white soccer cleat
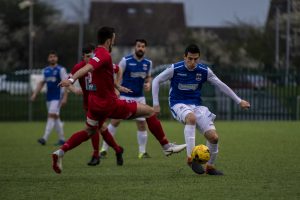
point(174, 148)
point(57, 161)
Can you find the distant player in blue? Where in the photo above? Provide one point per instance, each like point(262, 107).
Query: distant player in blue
point(186, 78)
point(56, 97)
point(136, 75)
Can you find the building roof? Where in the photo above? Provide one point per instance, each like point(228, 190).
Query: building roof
point(155, 22)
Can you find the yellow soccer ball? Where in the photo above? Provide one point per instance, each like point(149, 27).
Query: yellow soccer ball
point(201, 154)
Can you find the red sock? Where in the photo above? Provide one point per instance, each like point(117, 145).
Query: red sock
point(156, 129)
point(95, 139)
point(109, 139)
point(75, 140)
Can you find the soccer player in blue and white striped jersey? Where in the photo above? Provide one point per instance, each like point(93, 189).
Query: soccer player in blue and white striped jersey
point(187, 78)
point(55, 97)
point(136, 75)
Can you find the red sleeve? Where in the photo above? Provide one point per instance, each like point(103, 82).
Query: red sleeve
point(98, 60)
point(74, 69)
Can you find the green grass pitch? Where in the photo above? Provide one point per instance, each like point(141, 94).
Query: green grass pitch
point(260, 161)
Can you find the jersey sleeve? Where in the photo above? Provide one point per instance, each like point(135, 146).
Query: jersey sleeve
point(74, 70)
point(43, 75)
point(214, 80)
point(122, 64)
point(98, 60)
point(150, 69)
point(63, 74)
point(167, 74)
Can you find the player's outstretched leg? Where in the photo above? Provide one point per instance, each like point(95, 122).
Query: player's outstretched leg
point(156, 129)
point(75, 140)
point(57, 160)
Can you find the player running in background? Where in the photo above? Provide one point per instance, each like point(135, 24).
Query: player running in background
point(104, 103)
point(136, 75)
point(87, 53)
point(56, 97)
point(187, 78)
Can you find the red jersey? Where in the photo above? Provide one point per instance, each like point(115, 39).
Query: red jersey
point(102, 84)
point(83, 82)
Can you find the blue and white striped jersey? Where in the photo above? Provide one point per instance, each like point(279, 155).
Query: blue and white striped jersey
point(134, 74)
point(52, 77)
point(186, 84)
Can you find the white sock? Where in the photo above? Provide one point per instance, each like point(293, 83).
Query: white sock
point(49, 127)
point(213, 149)
point(59, 129)
point(189, 136)
point(112, 129)
point(142, 138)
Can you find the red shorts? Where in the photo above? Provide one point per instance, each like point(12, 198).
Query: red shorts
point(99, 111)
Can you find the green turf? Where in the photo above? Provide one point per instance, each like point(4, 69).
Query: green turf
point(260, 161)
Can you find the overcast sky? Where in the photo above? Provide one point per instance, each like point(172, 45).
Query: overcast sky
point(198, 12)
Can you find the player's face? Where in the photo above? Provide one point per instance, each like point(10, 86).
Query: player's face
point(140, 49)
point(52, 59)
point(191, 60)
point(87, 56)
point(112, 42)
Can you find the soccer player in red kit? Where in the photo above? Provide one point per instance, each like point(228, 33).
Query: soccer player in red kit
point(103, 103)
point(87, 53)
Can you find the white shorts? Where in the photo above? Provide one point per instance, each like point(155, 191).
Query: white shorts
point(137, 99)
point(204, 118)
point(53, 107)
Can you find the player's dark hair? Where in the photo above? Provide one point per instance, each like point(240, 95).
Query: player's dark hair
point(52, 52)
point(141, 41)
point(105, 33)
point(88, 48)
point(192, 48)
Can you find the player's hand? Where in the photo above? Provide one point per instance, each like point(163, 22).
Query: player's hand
point(65, 83)
point(244, 105)
point(156, 109)
point(147, 86)
point(124, 89)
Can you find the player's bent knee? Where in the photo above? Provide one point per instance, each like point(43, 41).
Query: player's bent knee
point(190, 119)
point(212, 137)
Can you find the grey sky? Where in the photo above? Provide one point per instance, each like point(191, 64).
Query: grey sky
point(198, 12)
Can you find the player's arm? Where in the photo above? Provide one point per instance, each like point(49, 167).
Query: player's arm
point(80, 73)
point(119, 75)
point(148, 79)
point(75, 90)
point(63, 76)
point(39, 87)
point(214, 80)
point(167, 74)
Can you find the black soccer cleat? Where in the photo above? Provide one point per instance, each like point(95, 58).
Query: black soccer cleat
point(42, 141)
point(119, 157)
point(94, 161)
point(196, 167)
